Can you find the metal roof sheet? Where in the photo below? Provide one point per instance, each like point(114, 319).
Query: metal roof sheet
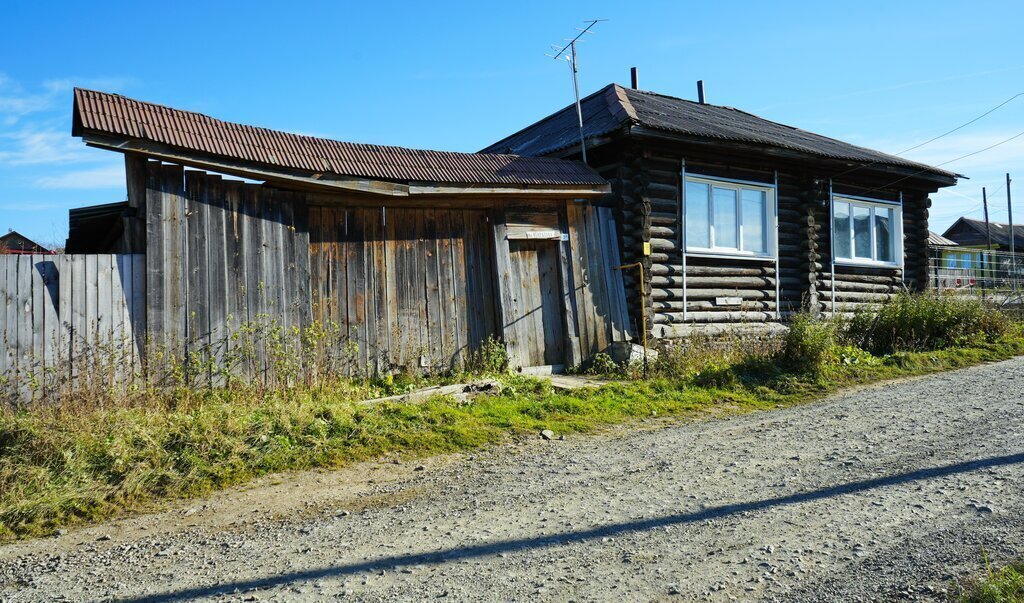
point(118, 116)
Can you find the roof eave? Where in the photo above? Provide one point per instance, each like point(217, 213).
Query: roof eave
point(942, 179)
point(328, 181)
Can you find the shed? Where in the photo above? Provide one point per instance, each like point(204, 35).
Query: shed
point(417, 257)
point(740, 221)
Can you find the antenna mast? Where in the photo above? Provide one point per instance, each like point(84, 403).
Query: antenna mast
point(574, 68)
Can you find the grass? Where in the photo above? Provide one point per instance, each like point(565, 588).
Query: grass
point(65, 465)
point(1003, 585)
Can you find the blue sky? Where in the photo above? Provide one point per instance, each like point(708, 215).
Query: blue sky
point(457, 76)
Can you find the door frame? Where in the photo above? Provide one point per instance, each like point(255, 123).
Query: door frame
point(508, 306)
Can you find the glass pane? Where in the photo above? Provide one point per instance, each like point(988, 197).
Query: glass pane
point(883, 235)
point(698, 227)
point(725, 217)
point(755, 221)
point(862, 232)
point(841, 228)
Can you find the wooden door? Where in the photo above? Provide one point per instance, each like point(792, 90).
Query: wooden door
point(538, 286)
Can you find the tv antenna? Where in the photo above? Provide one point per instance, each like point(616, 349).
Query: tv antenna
point(570, 56)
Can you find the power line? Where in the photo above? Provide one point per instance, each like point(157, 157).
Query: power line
point(919, 172)
point(960, 127)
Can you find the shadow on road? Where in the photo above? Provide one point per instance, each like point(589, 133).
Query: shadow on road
point(483, 550)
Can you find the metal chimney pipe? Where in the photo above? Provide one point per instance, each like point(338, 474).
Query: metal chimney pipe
point(700, 91)
point(634, 78)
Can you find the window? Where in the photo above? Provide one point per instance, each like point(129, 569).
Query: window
point(866, 232)
point(727, 217)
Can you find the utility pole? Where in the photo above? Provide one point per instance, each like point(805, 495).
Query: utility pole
point(988, 229)
point(1013, 248)
point(986, 257)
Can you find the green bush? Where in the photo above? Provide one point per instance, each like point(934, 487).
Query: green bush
point(809, 344)
point(921, 322)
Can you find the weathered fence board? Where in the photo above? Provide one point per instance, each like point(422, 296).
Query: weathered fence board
point(64, 313)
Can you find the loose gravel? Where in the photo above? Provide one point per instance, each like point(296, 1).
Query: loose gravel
point(886, 493)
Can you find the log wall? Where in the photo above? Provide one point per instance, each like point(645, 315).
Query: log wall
point(741, 293)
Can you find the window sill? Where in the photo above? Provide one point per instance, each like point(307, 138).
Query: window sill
point(868, 264)
point(724, 255)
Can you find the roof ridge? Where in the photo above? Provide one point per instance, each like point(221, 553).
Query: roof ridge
point(619, 103)
point(603, 90)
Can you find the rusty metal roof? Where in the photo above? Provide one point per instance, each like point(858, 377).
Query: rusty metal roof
point(117, 116)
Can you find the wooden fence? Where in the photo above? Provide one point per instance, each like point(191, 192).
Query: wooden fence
point(57, 309)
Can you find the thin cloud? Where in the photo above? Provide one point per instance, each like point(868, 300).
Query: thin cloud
point(37, 147)
point(102, 177)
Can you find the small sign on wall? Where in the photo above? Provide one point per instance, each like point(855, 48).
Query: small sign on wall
point(728, 301)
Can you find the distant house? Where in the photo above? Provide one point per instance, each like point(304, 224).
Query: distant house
point(998, 267)
point(17, 243)
point(739, 220)
point(968, 232)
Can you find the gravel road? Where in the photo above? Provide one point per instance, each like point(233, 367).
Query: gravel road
point(886, 493)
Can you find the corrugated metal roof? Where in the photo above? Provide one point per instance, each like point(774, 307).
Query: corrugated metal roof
point(937, 240)
point(614, 107)
point(118, 116)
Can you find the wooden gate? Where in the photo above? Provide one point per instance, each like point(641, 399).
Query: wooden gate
point(535, 265)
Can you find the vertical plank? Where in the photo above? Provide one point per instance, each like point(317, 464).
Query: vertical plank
point(433, 338)
point(217, 261)
point(255, 254)
point(139, 309)
point(79, 318)
point(377, 283)
point(573, 355)
point(508, 303)
point(24, 309)
point(581, 293)
point(90, 323)
point(120, 351)
point(197, 310)
point(551, 303)
point(465, 312)
point(616, 284)
point(37, 266)
point(595, 252)
point(155, 256)
point(234, 246)
point(51, 322)
point(135, 167)
point(450, 341)
point(175, 287)
point(290, 315)
point(65, 338)
point(6, 302)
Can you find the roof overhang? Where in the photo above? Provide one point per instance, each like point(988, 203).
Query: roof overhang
point(904, 173)
point(328, 181)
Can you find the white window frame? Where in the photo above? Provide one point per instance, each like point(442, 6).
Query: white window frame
point(872, 205)
point(738, 186)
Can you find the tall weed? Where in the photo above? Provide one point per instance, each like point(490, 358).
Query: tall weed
point(919, 322)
